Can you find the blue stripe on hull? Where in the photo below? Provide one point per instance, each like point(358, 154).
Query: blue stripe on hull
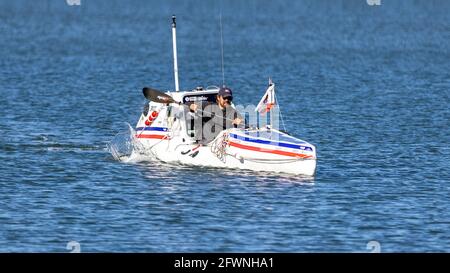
point(268, 142)
point(160, 129)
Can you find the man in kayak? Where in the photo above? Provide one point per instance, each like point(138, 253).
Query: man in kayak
point(212, 118)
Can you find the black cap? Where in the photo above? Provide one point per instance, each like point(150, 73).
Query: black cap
point(225, 92)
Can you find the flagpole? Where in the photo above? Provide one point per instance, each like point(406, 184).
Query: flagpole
point(270, 111)
point(175, 58)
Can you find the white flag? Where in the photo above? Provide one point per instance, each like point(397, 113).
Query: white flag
point(267, 101)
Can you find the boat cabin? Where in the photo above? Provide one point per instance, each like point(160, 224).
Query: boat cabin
point(172, 117)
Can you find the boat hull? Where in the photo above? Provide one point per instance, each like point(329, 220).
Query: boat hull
point(226, 151)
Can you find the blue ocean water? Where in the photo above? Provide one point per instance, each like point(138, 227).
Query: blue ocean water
point(368, 85)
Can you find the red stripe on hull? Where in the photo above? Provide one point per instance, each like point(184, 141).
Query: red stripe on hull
point(153, 136)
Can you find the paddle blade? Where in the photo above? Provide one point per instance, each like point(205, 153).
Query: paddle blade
point(157, 96)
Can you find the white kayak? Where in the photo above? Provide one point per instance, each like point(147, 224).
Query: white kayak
point(169, 139)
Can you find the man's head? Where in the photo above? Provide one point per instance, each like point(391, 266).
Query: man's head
point(224, 97)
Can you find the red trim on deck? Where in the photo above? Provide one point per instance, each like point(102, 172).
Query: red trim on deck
point(270, 151)
point(153, 136)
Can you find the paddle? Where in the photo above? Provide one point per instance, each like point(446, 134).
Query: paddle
point(157, 96)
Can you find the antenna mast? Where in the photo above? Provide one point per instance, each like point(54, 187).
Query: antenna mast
point(221, 48)
point(175, 59)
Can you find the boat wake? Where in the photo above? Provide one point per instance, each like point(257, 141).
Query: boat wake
point(126, 147)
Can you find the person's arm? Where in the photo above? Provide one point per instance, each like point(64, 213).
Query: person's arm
point(235, 117)
point(238, 120)
point(198, 106)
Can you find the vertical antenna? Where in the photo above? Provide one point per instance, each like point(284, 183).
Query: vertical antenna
point(175, 59)
point(221, 47)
